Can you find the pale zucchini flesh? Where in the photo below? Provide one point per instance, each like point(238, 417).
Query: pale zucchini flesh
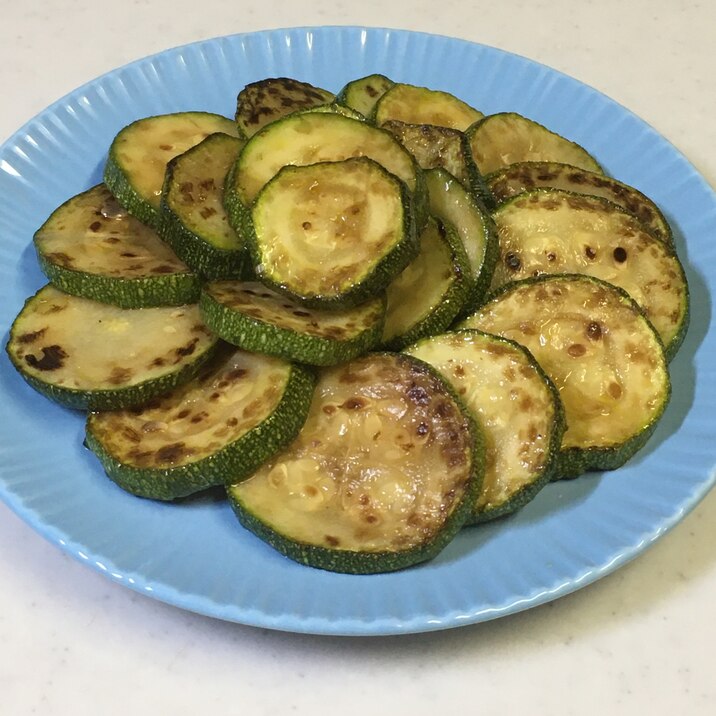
point(600, 351)
point(90, 355)
point(506, 138)
point(379, 478)
point(238, 411)
point(363, 93)
point(252, 316)
point(552, 231)
point(516, 405)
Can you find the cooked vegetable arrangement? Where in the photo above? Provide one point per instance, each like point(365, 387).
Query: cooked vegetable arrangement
point(373, 317)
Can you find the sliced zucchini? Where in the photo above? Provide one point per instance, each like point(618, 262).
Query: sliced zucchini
point(335, 108)
point(91, 247)
point(601, 352)
point(433, 147)
point(506, 138)
point(525, 176)
point(193, 219)
point(309, 138)
point(381, 476)
point(450, 202)
point(240, 410)
point(427, 296)
point(552, 231)
point(90, 355)
point(515, 403)
point(362, 94)
point(332, 234)
point(420, 105)
point(265, 101)
point(139, 154)
point(253, 317)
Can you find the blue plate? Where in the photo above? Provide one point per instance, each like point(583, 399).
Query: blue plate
point(195, 555)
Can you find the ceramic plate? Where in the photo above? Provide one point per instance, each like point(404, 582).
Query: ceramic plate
point(195, 555)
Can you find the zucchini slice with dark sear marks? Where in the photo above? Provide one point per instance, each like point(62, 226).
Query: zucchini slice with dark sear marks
point(420, 105)
point(601, 352)
point(193, 220)
point(525, 176)
point(553, 231)
point(427, 296)
point(381, 477)
point(139, 154)
point(433, 147)
point(265, 101)
point(253, 317)
point(450, 202)
point(236, 413)
point(89, 355)
point(362, 94)
point(515, 403)
point(332, 234)
point(91, 247)
point(506, 138)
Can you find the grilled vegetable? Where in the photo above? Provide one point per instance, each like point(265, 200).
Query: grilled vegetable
point(362, 94)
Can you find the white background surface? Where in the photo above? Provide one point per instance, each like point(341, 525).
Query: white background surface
point(639, 641)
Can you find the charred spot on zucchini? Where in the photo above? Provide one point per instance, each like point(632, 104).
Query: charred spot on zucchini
point(601, 352)
point(362, 94)
point(337, 498)
point(91, 247)
point(139, 154)
point(93, 356)
point(516, 405)
point(552, 231)
point(252, 316)
point(332, 234)
point(236, 413)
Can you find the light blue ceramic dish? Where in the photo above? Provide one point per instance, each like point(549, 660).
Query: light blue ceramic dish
point(195, 555)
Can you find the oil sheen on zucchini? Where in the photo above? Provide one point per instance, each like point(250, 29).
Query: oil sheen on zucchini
point(518, 409)
point(140, 152)
point(362, 94)
point(552, 231)
point(525, 176)
point(332, 234)
point(90, 355)
point(91, 247)
point(236, 413)
point(431, 291)
point(381, 476)
point(601, 352)
point(193, 219)
point(253, 317)
point(506, 138)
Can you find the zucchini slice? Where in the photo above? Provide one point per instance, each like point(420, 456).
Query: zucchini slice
point(450, 202)
point(601, 352)
point(433, 147)
point(382, 475)
point(515, 403)
point(431, 291)
point(506, 138)
point(362, 94)
point(90, 355)
point(91, 247)
point(420, 105)
point(236, 413)
point(525, 176)
point(253, 317)
point(552, 231)
point(193, 219)
point(332, 234)
point(139, 154)
point(265, 101)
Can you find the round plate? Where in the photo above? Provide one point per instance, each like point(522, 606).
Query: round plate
point(194, 554)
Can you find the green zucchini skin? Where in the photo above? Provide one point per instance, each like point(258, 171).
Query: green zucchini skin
point(261, 336)
point(235, 461)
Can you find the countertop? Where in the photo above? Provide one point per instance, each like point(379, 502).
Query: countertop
point(638, 641)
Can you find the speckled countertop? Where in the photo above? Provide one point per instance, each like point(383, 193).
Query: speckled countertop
point(639, 641)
